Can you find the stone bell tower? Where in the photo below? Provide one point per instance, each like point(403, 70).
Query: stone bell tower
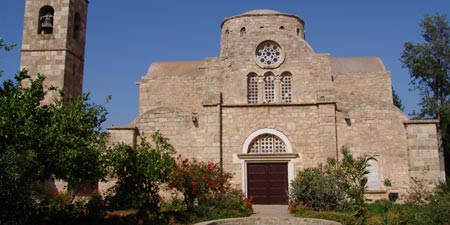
point(54, 35)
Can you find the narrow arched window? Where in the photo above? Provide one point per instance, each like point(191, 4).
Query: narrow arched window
point(77, 27)
point(269, 87)
point(267, 144)
point(46, 16)
point(373, 178)
point(286, 90)
point(252, 88)
point(243, 31)
point(227, 33)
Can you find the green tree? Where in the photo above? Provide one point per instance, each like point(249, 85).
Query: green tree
point(75, 141)
point(21, 120)
point(429, 68)
point(397, 100)
point(354, 175)
point(140, 171)
point(5, 47)
point(63, 139)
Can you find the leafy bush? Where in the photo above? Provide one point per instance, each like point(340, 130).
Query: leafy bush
point(222, 205)
point(63, 208)
point(439, 203)
point(196, 180)
point(319, 188)
point(335, 186)
point(140, 172)
point(341, 217)
point(418, 192)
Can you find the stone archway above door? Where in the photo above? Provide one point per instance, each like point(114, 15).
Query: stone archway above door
point(264, 150)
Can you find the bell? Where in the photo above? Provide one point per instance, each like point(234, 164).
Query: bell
point(47, 24)
point(47, 21)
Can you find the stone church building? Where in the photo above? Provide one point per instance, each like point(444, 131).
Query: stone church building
point(267, 107)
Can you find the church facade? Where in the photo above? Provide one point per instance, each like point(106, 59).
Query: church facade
point(267, 107)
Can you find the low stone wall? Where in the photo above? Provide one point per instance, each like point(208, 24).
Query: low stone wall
point(270, 221)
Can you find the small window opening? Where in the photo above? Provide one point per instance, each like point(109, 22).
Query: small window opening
point(281, 27)
point(261, 27)
point(227, 33)
point(77, 27)
point(46, 15)
point(298, 31)
point(243, 31)
point(348, 121)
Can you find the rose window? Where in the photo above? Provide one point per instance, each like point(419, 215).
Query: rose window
point(269, 54)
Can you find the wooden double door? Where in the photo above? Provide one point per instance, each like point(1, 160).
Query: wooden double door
point(267, 183)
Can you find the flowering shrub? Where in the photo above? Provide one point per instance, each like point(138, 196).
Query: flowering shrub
point(230, 204)
point(198, 179)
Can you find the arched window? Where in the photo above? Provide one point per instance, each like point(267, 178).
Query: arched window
point(252, 88)
point(45, 24)
point(267, 144)
point(77, 27)
point(373, 178)
point(286, 91)
point(269, 87)
point(226, 34)
point(243, 31)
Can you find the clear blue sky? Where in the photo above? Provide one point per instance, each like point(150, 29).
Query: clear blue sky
point(125, 37)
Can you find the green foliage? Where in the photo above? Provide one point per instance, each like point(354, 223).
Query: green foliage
point(418, 193)
point(230, 204)
point(37, 142)
point(429, 64)
point(319, 188)
point(140, 171)
point(20, 126)
point(341, 217)
point(76, 141)
point(429, 68)
point(354, 174)
point(337, 186)
point(5, 47)
point(197, 180)
point(397, 100)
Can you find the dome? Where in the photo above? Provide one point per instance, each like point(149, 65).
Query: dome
point(261, 12)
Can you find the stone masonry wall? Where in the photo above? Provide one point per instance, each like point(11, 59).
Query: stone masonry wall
point(298, 123)
point(356, 88)
point(422, 149)
point(376, 130)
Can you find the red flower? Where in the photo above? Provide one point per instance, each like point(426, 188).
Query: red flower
point(193, 183)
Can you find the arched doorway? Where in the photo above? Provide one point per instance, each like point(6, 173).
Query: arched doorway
point(268, 166)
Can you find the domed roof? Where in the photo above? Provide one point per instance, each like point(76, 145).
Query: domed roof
point(261, 12)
